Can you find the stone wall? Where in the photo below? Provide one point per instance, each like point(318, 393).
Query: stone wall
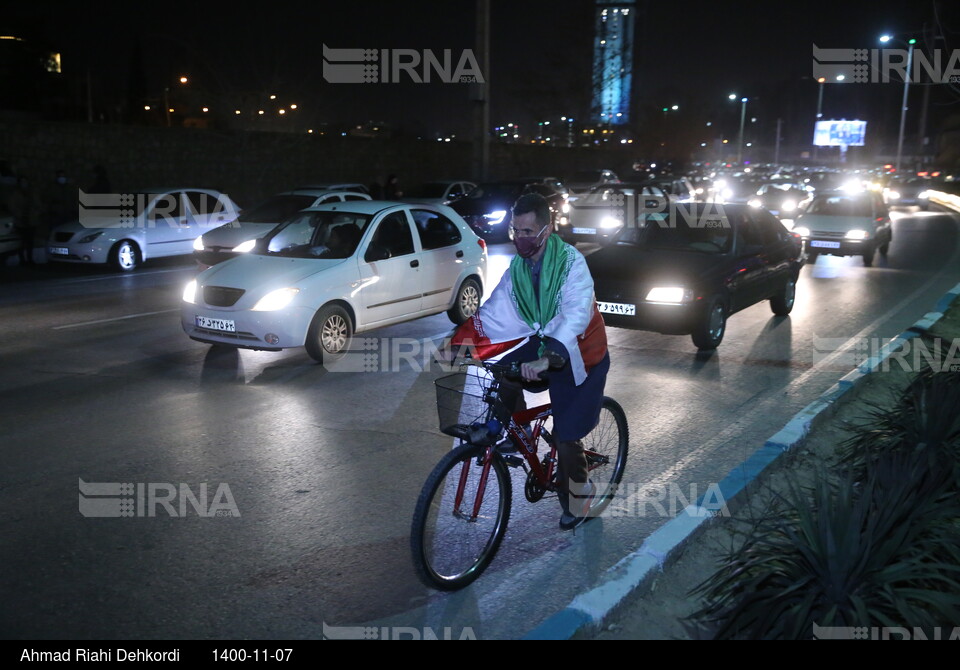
point(250, 166)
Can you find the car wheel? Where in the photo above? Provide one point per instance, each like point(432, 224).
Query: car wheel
point(466, 303)
point(868, 255)
point(125, 256)
point(709, 333)
point(782, 302)
point(329, 335)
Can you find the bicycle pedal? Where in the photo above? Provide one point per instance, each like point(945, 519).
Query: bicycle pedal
point(513, 461)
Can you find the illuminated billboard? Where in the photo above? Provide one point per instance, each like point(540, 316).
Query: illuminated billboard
point(840, 133)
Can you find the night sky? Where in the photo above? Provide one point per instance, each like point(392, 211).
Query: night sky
point(691, 52)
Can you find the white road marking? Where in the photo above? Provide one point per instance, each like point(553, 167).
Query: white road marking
point(117, 318)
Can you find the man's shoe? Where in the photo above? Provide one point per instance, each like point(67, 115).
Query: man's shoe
point(582, 503)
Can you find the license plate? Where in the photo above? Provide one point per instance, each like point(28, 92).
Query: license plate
point(617, 308)
point(226, 325)
point(585, 231)
point(824, 245)
point(59, 251)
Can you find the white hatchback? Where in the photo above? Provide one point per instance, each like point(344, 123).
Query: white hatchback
point(335, 270)
point(125, 229)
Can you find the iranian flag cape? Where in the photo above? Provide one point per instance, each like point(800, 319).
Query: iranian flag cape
point(498, 327)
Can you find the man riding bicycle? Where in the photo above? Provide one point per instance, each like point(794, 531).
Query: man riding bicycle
point(545, 306)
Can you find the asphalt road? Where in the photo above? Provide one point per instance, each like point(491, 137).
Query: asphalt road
point(311, 475)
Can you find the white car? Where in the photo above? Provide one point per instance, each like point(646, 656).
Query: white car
point(125, 229)
point(239, 236)
point(845, 224)
point(335, 270)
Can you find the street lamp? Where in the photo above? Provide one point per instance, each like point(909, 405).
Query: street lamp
point(743, 116)
point(906, 87)
point(166, 98)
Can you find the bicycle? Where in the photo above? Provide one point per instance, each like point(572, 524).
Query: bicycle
point(462, 512)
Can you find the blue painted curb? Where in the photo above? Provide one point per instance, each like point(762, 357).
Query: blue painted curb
point(591, 607)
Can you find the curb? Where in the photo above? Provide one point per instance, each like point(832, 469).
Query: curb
point(632, 572)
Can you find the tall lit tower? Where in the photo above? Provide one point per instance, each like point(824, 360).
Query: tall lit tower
point(613, 60)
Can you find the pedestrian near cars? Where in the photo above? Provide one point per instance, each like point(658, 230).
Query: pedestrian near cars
point(392, 190)
point(545, 306)
point(25, 210)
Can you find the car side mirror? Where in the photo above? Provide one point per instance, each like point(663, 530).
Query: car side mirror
point(376, 253)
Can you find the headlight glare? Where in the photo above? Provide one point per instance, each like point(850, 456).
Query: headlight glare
point(190, 292)
point(244, 247)
point(275, 300)
point(673, 295)
point(496, 216)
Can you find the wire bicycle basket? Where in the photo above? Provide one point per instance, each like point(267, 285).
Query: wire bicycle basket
point(463, 400)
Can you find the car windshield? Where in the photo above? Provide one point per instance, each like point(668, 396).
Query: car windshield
point(316, 235)
point(276, 209)
point(508, 192)
point(431, 190)
point(681, 231)
point(840, 205)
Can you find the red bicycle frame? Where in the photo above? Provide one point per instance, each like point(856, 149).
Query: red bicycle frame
point(535, 417)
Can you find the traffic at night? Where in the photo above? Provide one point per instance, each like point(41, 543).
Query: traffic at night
point(476, 320)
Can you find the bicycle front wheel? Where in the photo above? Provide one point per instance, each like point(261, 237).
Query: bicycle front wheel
point(460, 518)
point(605, 448)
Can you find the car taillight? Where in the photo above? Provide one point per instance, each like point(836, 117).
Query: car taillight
point(482, 242)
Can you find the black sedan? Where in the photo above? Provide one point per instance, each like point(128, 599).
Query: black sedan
point(487, 209)
point(685, 270)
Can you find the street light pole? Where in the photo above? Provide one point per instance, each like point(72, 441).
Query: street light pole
point(903, 106)
point(743, 116)
point(816, 148)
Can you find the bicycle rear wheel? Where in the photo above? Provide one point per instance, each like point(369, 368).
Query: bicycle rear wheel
point(455, 534)
point(606, 450)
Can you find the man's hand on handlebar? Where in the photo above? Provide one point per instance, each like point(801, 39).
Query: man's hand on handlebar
point(531, 371)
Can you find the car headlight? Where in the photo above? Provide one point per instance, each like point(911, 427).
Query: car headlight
point(198, 244)
point(755, 202)
point(726, 193)
point(673, 295)
point(87, 239)
point(610, 222)
point(924, 194)
point(275, 300)
point(244, 247)
point(190, 292)
point(893, 195)
point(788, 205)
point(495, 216)
point(565, 208)
point(857, 234)
point(802, 231)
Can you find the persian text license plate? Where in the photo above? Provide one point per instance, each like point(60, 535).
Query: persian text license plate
point(585, 231)
point(617, 308)
point(825, 245)
point(226, 325)
point(59, 251)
